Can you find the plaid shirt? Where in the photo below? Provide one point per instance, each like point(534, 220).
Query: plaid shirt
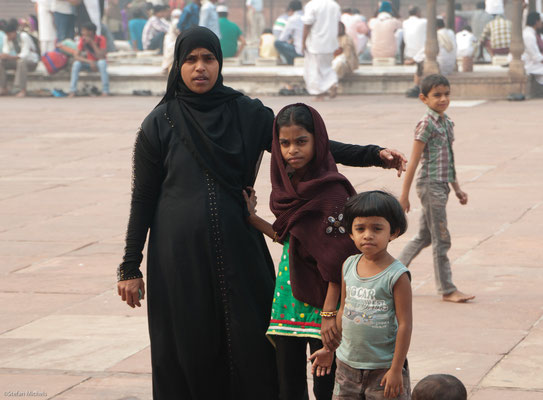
point(437, 160)
point(499, 32)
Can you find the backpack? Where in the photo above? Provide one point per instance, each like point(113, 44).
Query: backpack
point(54, 61)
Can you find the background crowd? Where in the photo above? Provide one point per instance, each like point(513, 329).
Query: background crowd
point(330, 42)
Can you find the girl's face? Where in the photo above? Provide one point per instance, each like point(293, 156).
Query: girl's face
point(200, 70)
point(371, 235)
point(297, 146)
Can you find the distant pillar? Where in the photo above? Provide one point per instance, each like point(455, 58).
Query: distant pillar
point(516, 66)
point(450, 15)
point(430, 63)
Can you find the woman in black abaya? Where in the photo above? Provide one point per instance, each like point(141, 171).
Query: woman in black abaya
point(210, 278)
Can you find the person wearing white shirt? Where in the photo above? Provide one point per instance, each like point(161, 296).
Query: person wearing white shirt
point(494, 7)
point(19, 53)
point(446, 57)
point(532, 57)
point(466, 44)
point(414, 34)
point(321, 23)
point(255, 20)
point(46, 27)
point(209, 17)
point(289, 46)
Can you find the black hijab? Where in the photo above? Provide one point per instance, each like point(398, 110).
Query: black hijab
point(211, 124)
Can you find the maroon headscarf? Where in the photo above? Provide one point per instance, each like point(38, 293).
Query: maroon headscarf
point(311, 213)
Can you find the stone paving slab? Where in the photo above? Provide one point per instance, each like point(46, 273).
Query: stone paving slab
point(64, 196)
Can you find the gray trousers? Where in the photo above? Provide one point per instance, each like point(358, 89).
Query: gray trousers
point(433, 230)
point(21, 67)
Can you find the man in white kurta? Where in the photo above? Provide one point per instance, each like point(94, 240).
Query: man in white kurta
point(532, 57)
point(321, 20)
point(46, 27)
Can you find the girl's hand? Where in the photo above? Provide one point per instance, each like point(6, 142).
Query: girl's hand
point(462, 196)
point(250, 199)
point(330, 335)
point(393, 383)
point(322, 364)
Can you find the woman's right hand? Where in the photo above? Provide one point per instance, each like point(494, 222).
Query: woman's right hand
point(129, 291)
point(250, 199)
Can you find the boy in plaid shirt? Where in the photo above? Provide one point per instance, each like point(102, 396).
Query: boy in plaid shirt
point(433, 148)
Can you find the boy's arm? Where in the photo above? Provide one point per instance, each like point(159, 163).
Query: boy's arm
point(418, 148)
point(392, 380)
point(462, 196)
point(262, 225)
point(342, 303)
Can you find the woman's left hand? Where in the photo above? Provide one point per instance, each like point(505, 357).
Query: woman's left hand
point(330, 334)
point(393, 159)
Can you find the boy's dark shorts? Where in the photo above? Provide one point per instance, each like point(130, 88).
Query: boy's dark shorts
point(354, 383)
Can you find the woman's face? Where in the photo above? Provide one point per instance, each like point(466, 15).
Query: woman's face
point(200, 70)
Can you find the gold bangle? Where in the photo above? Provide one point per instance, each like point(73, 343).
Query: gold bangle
point(328, 314)
point(275, 237)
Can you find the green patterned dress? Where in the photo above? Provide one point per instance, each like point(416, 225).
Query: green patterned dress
point(291, 317)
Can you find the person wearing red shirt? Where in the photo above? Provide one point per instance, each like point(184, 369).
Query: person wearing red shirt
point(91, 56)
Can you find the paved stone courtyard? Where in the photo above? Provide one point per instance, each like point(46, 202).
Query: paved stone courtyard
point(64, 195)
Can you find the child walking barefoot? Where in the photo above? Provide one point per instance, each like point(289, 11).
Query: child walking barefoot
point(375, 317)
point(433, 148)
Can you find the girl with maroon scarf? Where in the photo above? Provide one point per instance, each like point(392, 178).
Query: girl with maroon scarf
point(308, 195)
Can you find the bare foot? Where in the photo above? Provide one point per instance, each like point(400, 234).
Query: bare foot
point(104, 94)
point(458, 297)
point(22, 93)
point(71, 94)
point(333, 91)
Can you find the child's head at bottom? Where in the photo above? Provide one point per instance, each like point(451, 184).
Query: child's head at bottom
point(439, 387)
point(374, 211)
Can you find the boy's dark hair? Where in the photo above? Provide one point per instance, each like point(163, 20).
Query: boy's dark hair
point(3, 24)
point(89, 26)
point(414, 10)
point(467, 28)
point(440, 23)
point(11, 26)
point(159, 8)
point(532, 18)
point(375, 203)
point(296, 114)
point(267, 30)
point(139, 13)
point(431, 81)
point(439, 387)
point(295, 5)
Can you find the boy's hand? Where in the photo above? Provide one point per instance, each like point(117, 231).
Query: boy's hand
point(250, 199)
point(404, 202)
point(330, 335)
point(393, 383)
point(393, 159)
point(322, 364)
point(462, 196)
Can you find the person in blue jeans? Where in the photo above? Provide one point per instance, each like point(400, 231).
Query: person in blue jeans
point(135, 27)
point(91, 56)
